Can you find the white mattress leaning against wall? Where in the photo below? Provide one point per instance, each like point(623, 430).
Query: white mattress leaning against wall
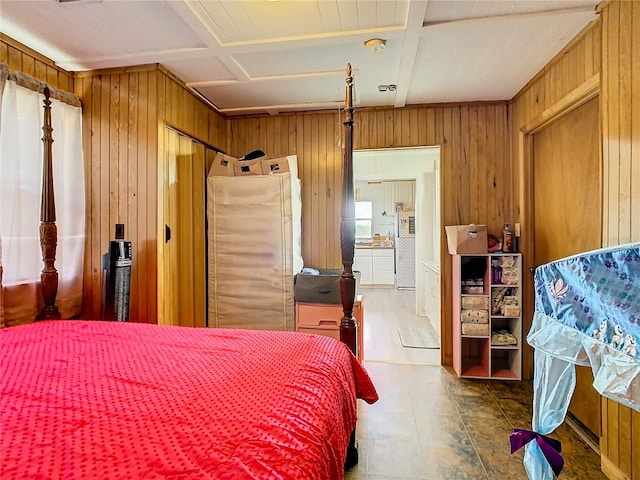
point(254, 247)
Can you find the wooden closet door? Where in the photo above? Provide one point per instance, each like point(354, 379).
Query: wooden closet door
point(568, 213)
point(184, 258)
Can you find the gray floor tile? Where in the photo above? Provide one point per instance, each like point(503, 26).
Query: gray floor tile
point(431, 425)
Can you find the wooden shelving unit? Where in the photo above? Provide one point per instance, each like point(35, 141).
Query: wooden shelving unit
point(474, 354)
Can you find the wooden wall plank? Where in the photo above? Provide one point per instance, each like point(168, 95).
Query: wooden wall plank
point(14, 61)
point(394, 126)
point(4, 53)
point(381, 130)
point(420, 126)
point(604, 415)
point(410, 125)
point(323, 187)
point(621, 135)
point(29, 67)
point(307, 196)
point(104, 166)
point(52, 75)
point(123, 171)
point(624, 440)
point(604, 122)
point(474, 171)
point(91, 115)
point(634, 103)
point(625, 113)
point(149, 246)
point(131, 180)
point(613, 115)
point(141, 197)
point(83, 89)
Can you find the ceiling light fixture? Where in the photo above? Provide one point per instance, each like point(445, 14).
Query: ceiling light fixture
point(375, 45)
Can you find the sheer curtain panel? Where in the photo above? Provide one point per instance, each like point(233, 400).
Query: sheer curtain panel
point(21, 153)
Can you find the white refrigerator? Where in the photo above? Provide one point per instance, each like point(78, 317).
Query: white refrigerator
point(405, 251)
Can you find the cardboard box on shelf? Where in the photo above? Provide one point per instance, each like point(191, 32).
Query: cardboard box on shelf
point(248, 167)
point(467, 239)
point(222, 166)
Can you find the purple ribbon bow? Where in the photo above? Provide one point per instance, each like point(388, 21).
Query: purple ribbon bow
point(550, 447)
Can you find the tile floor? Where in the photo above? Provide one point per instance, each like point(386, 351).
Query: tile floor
point(428, 424)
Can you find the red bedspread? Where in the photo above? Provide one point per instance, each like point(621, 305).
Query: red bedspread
point(121, 400)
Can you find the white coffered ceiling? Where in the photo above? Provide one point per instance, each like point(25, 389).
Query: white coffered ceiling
point(261, 56)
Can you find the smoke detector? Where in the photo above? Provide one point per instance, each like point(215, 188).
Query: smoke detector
point(375, 45)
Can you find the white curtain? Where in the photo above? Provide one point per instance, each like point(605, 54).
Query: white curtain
point(21, 154)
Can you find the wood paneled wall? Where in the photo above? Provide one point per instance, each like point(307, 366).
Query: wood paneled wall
point(315, 138)
point(120, 143)
point(609, 48)
point(576, 64)
point(124, 115)
point(620, 105)
point(621, 121)
point(21, 58)
point(475, 168)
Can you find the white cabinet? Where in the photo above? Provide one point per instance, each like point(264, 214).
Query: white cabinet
point(405, 193)
point(383, 266)
point(376, 265)
point(389, 203)
point(363, 262)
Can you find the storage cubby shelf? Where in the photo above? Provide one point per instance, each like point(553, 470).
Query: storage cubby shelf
point(473, 355)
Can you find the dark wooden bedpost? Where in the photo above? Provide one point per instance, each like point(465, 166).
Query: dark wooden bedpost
point(347, 226)
point(48, 229)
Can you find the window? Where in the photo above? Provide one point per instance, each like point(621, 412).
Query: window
point(363, 217)
point(21, 153)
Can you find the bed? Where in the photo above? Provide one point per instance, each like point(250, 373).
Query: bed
point(89, 399)
point(587, 312)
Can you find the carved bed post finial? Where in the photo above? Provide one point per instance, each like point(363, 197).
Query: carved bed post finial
point(48, 229)
point(347, 226)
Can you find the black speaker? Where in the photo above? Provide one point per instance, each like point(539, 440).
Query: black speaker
point(116, 278)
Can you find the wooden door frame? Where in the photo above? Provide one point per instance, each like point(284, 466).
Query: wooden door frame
point(567, 104)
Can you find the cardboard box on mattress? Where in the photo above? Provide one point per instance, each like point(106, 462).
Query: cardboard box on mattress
point(222, 165)
point(467, 239)
point(248, 167)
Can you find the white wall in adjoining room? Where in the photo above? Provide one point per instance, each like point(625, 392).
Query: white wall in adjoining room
point(421, 164)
